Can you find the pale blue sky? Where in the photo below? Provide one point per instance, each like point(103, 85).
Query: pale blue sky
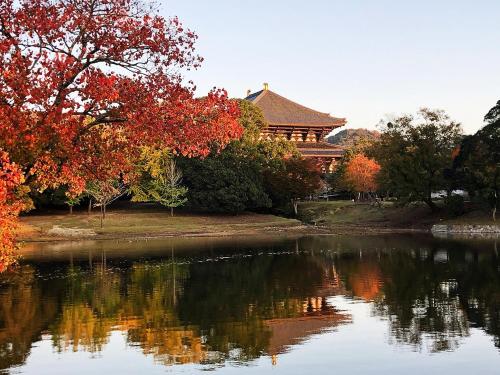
point(359, 59)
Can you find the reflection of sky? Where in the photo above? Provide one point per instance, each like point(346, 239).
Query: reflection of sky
point(359, 348)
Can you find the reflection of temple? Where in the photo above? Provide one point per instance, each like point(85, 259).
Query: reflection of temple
point(299, 124)
point(312, 315)
point(315, 316)
point(429, 296)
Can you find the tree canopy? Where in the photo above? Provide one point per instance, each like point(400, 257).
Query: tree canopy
point(361, 173)
point(477, 165)
point(84, 84)
point(295, 179)
point(226, 182)
point(414, 152)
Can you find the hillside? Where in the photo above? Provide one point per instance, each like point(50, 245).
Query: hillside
point(349, 137)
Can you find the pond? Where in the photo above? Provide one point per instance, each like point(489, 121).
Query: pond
point(387, 304)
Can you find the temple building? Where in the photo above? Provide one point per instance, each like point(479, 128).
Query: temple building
point(307, 127)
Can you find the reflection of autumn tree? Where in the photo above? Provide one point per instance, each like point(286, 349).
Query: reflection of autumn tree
point(168, 309)
point(140, 301)
point(89, 311)
point(361, 276)
point(239, 307)
point(152, 320)
point(24, 314)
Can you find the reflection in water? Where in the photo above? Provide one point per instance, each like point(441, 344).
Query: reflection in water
point(219, 304)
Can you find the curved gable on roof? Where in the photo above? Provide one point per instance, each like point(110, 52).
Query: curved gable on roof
point(282, 111)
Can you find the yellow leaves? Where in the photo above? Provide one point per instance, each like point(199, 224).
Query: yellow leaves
point(153, 160)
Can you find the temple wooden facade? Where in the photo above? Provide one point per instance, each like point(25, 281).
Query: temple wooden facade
point(304, 126)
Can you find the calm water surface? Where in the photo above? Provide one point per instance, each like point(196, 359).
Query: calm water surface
point(322, 304)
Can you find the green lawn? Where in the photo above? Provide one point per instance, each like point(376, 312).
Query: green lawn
point(121, 223)
point(340, 212)
point(390, 215)
point(337, 213)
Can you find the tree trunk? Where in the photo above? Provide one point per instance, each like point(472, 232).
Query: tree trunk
point(171, 211)
point(90, 206)
point(71, 210)
point(431, 205)
point(494, 210)
point(295, 206)
point(102, 214)
point(104, 211)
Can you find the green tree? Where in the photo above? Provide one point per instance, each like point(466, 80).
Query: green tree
point(232, 180)
point(477, 165)
point(160, 181)
point(225, 182)
point(73, 201)
point(353, 137)
point(414, 152)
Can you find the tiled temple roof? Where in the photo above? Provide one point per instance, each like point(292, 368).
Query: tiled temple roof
point(282, 111)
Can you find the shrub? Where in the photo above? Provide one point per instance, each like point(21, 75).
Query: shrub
point(454, 205)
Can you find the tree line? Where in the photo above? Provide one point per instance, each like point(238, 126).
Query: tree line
point(417, 156)
point(249, 174)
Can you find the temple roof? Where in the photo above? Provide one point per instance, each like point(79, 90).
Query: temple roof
point(282, 111)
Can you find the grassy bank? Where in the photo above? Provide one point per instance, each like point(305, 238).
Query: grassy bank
point(342, 217)
point(141, 222)
point(347, 215)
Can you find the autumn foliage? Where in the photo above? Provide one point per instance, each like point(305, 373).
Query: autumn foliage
point(10, 206)
point(84, 84)
point(361, 172)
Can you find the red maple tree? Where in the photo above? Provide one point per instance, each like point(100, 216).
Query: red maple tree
point(85, 83)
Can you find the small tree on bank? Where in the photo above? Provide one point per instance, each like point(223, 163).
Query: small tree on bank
point(73, 201)
point(360, 174)
point(161, 181)
point(103, 193)
point(352, 147)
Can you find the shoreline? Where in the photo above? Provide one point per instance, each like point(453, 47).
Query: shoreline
point(300, 229)
point(138, 224)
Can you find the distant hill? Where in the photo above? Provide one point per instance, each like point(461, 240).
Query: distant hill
point(350, 137)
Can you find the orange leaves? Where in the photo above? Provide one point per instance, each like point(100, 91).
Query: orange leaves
point(10, 206)
point(85, 84)
point(361, 173)
point(73, 72)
